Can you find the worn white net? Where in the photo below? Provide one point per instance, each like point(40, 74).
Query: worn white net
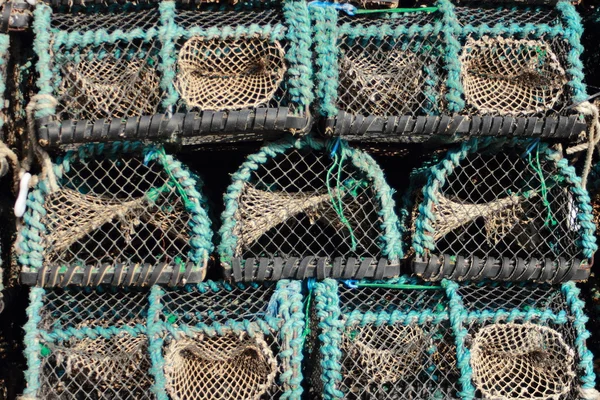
point(511, 76)
point(523, 361)
point(231, 74)
point(233, 366)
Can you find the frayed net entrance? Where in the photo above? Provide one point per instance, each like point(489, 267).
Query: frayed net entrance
point(521, 361)
point(229, 74)
point(118, 208)
point(114, 368)
point(510, 76)
point(389, 76)
point(385, 354)
point(220, 367)
point(301, 202)
point(502, 204)
point(106, 85)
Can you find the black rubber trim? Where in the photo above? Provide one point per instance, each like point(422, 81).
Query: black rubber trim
point(273, 269)
point(500, 269)
point(15, 16)
point(358, 127)
point(122, 275)
point(173, 128)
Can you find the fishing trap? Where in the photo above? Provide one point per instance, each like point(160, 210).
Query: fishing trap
point(491, 70)
point(521, 340)
point(222, 341)
point(172, 72)
point(380, 342)
point(121, 214)
point(304, 208)
point(503, 210)
point(84, 343)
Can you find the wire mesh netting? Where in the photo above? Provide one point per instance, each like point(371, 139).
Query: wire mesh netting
point(505, 73)
point(388, 75)
point(395, 344)
point(117, 64)
point(300, 201)
point(503, 202)
point(231, 342)
point(93, 345)
point(118, 208)
point(523, 340)
point(228, 367)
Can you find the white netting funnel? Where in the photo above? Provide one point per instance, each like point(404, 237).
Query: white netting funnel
point(521, 361)
point(220, 367)
point(110, 86)
point(510, 76)
point(216, 74)
point(386, 353)
point(115, 364)
point(376, 81)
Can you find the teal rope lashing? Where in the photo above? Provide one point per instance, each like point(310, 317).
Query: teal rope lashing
point(310, 285)
point(336, 198)
point(352, 10)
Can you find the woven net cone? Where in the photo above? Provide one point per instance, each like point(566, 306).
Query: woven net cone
point(216, 74)
point(112, 87)
point(500, 216)
point(108, 363)
point(513, 361)
point(386, 353)
point(509, 76)
point(71, 216)
point(374, 81)
point(222, 367)
point(259, 211)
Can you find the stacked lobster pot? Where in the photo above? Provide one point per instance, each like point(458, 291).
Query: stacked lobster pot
point(117, 238)
point(315, 283)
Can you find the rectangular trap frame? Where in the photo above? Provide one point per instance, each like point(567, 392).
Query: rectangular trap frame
point(138, 98)
point(437, 39)
point(125, 337)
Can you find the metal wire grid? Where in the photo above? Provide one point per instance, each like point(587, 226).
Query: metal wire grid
point(80, 362)
point(236, 72)
point(311, 228)
point(505, 205)
point(152, 233)
point(390, 76)
point(541, 305)
point(506, 74)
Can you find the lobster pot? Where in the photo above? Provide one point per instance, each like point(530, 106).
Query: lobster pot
point(222, 341)
point(523, 341)
point(376, 75)
point(173, 72)
point(121, 214)
point(299, 208)
point(83, 343)
point(505, 211)
point(374, 341)
point(520, 61)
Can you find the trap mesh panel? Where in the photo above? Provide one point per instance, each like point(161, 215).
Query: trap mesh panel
point(223, 341)
point(294, 200)
point(521, 340)
point(123, 213)
point(527, 64)
point(134, 68)
point(87, 344)
point(505, 210)
point(382, 342)
point(98, 66)
point(518, 353)
point(388, 66)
